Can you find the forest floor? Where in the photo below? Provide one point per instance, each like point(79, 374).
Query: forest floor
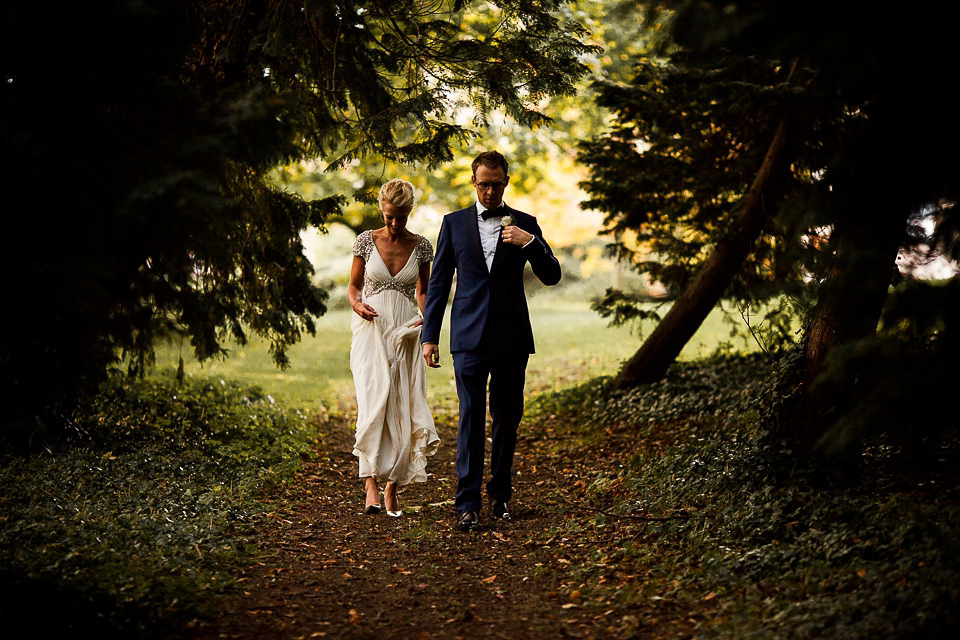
point(204, 511)
point(326, 570)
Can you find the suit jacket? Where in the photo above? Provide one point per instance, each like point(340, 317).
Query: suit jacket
point(491, 301)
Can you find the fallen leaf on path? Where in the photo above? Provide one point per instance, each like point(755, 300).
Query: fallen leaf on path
point(490, 579)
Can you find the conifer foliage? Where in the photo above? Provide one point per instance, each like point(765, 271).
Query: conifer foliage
point(137, 137)
point(857, 93)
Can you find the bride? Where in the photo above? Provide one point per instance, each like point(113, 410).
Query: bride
point(387, 292)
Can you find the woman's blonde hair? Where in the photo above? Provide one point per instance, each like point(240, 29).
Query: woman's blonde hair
point(399, 193)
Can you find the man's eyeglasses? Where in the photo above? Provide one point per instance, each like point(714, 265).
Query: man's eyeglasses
point(496, 186)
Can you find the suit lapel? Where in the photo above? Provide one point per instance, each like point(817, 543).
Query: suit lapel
point(473, 235)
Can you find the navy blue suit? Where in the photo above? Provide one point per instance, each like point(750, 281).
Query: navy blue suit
point(490, 338)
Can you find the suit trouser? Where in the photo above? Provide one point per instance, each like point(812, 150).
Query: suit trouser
point(506, 373)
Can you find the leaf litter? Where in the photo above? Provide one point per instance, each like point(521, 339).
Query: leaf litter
point(418, 575)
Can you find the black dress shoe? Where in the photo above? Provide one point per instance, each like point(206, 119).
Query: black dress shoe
point(468, 520)
point(500, 510)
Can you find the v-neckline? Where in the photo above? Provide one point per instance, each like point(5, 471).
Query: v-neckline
point(384, 262)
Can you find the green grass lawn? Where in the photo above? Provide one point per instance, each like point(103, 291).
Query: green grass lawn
point(573, 344)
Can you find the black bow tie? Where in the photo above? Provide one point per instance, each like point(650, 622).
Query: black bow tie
point(492, 213)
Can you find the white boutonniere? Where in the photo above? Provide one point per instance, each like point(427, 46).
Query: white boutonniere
point(506, 221)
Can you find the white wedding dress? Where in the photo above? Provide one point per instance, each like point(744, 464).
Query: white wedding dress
point(395, 429)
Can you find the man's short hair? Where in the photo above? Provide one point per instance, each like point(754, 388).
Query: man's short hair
point(491, 160)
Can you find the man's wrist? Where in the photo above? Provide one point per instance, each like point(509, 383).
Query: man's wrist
point(533, 239)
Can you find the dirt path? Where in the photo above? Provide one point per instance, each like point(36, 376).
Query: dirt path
point(328, 571)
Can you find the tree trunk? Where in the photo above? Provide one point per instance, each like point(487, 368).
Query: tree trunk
point(849, 306)
point(855, 289)
point(691, 308)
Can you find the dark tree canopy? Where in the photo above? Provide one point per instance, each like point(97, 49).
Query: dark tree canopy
point(138, 136)
point(687, 143)
point(860, 92)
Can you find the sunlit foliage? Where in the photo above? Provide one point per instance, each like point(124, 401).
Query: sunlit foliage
point(139, 137)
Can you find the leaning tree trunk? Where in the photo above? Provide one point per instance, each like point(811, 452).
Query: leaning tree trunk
point(691, 308)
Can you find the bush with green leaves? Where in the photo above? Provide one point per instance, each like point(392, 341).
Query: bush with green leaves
point(140, 526)
point(763, 541)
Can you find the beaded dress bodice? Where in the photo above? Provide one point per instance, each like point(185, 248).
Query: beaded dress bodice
point(376, 276)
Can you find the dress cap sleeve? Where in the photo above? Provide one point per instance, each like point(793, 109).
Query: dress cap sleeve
point(363, 245)
point(424, 251)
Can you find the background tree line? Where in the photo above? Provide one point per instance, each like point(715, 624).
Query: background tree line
point(773, 151)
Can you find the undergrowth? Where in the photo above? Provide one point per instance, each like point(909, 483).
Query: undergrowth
point(679, 514)
point(717, 518)
point(135, 530)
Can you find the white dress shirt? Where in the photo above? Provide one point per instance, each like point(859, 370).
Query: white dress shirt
point(489, 233)
point(490, 230)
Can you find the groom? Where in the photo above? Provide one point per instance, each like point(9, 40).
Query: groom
point(487, 246)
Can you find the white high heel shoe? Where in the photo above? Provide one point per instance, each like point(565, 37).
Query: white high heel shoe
point(399, 511)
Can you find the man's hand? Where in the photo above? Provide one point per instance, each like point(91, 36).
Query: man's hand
point(516, 236)
point(431, 353)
